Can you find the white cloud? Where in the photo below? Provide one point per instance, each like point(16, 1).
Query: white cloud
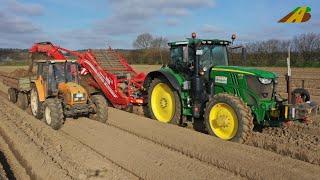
point(87, 38)
point(16, 7)
point(14, 24)
point(176, 11)
point(132, 15)
point(129, 18)
point(16, 29)
point(172, 22)
point(208, 28)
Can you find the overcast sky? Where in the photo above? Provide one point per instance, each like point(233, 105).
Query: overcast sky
point(98, 23)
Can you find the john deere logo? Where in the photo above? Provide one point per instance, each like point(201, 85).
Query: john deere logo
point(299, 15)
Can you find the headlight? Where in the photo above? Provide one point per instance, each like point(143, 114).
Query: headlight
point(79, 97)
point(265, 80)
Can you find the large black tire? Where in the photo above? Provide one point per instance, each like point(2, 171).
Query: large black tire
point(53, 113)
point(305, 95)
point(22, 100)
point(12, 95)
point(101, 108)
point(176, 118)
point(242, 112)
point(35, 104)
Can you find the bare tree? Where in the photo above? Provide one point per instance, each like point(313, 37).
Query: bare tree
point(306, 45)
point(143, 41)
point(160, 44)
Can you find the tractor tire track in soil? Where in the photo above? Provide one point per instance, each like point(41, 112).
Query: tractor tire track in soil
point(10, 165)
point(299, 141)
point(134, 147)
point(47, 154)
point(240, 159)
point(147, 160)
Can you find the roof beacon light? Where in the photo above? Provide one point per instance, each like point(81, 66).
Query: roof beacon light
point(233, 37)
point(194, 35)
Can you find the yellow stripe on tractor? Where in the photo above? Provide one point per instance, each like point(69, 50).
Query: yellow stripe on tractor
point(232, 70)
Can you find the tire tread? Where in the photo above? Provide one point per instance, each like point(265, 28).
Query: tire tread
point(243, 112)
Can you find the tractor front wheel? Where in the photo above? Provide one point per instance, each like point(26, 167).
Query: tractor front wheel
point(101, 107)
point(163, 102)
point(36, 105)
point(229, 118)
point(53, 113)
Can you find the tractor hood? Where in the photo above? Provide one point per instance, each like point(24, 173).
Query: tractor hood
point(246, 70)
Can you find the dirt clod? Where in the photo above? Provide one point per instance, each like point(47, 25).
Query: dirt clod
point(298, 141)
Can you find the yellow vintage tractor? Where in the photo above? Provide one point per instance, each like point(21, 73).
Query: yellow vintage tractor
point(56, 94)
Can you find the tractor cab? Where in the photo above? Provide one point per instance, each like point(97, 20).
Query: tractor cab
point(210, 52)
point(61, 78)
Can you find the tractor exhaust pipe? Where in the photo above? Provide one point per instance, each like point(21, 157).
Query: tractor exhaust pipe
point(288, 76)
point(197, 81)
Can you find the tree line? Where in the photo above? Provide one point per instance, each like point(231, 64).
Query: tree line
point(305, 51)
point(11, 56)
point(149, 49)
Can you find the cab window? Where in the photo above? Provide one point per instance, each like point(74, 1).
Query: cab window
point(177, 55)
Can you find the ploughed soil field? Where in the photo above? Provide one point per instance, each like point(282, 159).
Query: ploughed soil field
point(130, 146)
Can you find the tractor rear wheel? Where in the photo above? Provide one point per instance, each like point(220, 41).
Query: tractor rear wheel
point(53, 113)
point(229, 118)
point(163, 102)
point(22, 100)
point(36, 105)
point(101, 104)
point(12, 95)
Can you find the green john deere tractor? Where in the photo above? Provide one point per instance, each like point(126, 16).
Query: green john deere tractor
point(199, 86)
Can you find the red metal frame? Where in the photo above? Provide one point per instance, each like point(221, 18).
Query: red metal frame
point(107, 82)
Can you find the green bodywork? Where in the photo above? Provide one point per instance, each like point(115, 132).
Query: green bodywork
point(228, 79)
point(184, 94)
point(237, 84)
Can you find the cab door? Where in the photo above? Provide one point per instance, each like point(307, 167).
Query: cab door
point(40, 81)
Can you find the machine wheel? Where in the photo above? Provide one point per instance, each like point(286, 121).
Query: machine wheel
point(12, 95)
point(300, 95)
point(36, 105)
point(53, 113)
point(22, 100)
point(101, 104)
point(228, 118)
point(163, 102)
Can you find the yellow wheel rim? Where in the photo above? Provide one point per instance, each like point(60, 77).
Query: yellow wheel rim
point(163, 102)
point(223, 121)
